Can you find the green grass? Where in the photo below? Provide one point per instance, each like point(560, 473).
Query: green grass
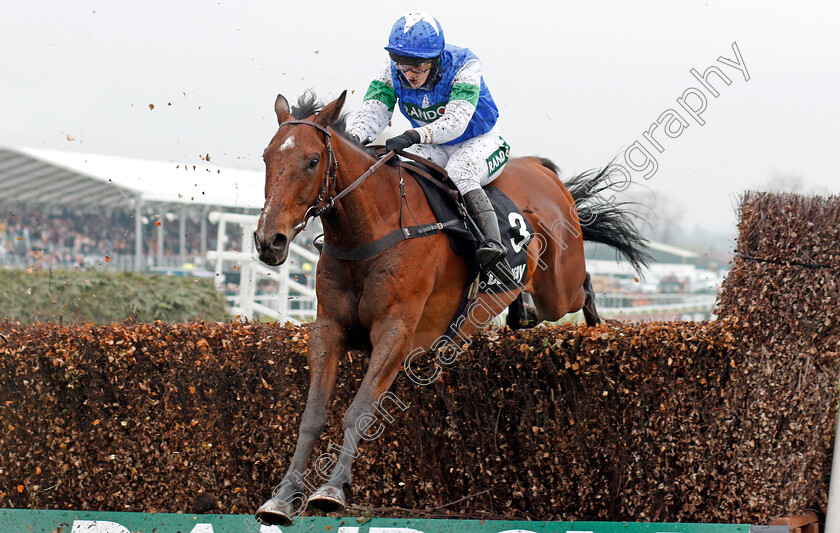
point(105, 297)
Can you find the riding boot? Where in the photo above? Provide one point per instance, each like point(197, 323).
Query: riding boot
point(491, 250)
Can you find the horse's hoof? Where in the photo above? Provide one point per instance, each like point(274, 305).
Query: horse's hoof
point(275, 513)
point(529, 319)
point(327, 499)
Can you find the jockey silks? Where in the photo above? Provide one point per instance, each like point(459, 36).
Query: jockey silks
point(424, 105)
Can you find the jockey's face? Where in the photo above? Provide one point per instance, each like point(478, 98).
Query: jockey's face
point(416, 75)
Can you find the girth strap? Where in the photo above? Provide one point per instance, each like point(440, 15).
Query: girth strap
point(380, 245)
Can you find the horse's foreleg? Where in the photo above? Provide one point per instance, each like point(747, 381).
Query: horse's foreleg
point(327, 345)
point(390, 346)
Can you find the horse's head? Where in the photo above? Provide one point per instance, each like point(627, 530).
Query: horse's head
point(297, 170)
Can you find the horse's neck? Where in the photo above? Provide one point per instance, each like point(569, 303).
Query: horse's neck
point(369, 211)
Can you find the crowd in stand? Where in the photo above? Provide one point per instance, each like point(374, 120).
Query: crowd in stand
point(57, 238)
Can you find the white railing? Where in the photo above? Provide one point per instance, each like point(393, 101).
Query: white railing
point(296, 302)
point(251, 299)
point(664, 307)
point(696, 308)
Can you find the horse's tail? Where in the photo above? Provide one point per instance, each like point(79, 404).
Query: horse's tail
point(603, 221)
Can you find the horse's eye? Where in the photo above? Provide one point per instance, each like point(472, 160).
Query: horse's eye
point(313, 162)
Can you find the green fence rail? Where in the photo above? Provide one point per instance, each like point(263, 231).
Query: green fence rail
point(34, 521)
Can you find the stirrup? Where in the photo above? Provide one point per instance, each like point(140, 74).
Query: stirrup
point(497, 265)
point(491, 252)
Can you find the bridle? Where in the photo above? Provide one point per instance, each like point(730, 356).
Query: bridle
point(325, 202)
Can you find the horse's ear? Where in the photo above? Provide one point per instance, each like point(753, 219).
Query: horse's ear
point(281, 107)
point(331, 112)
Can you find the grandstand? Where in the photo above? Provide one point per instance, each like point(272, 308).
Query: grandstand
point(71, 209)
point(76, 210)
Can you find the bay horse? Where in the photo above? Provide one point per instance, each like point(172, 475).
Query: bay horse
point(405, 297)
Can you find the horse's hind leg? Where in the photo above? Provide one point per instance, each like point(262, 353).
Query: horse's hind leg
point(589, 311)
point(522, 313)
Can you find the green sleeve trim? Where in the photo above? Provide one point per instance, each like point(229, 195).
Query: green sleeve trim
point(384, 93)
point(465, 91)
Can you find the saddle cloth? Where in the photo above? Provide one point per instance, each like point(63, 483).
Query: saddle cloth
point(514, 229)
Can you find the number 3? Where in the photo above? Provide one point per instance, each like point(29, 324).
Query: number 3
point(518, 221)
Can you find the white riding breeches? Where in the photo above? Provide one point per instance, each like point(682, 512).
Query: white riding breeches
point(471, 164)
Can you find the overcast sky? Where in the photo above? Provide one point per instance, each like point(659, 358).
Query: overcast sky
point(577, 82)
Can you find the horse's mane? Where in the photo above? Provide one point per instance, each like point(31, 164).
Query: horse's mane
point(308, 104)
point(549, 164)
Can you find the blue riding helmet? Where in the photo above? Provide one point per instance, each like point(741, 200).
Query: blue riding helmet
point(416, 35)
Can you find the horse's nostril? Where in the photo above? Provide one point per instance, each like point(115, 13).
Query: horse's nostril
point(279, 242)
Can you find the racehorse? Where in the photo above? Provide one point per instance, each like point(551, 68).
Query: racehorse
point(406, 296)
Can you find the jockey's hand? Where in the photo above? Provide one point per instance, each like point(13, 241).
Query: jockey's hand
point(402, 141)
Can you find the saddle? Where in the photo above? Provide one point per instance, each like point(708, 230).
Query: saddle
point(449, 209)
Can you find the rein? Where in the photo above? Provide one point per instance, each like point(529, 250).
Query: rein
point(325, 202)
point(363, 177)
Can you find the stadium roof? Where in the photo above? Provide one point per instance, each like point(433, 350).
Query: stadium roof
point(78, 180)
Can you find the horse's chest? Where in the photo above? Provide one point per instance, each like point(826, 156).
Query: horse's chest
point(360, 294)
point(378, 292)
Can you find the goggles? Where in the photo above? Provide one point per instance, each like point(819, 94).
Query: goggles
point(414, 69)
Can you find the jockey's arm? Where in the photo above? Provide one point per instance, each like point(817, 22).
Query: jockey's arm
point(459, 111)
point(377, 108)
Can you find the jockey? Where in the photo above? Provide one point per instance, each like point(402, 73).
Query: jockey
point(441, 91)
